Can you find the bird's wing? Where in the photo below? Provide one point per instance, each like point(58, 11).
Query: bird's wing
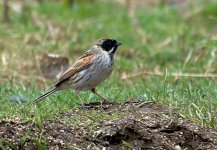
point(83, 62)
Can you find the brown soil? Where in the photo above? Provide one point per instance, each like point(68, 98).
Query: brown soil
point(145, 126)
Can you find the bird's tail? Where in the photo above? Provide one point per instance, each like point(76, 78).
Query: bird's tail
point(54, 89)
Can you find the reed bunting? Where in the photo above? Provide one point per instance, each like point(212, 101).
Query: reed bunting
point(92, 68)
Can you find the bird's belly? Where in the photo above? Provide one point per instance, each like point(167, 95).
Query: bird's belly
point(90, 78)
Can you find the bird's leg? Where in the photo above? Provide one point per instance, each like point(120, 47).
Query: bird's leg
point(104, 99)
point(78, 94)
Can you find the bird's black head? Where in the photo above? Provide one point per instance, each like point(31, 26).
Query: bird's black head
point(109, 45)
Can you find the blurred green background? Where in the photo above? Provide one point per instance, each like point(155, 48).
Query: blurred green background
point(158, 36)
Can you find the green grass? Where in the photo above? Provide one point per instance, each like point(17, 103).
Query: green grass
point(170, 38)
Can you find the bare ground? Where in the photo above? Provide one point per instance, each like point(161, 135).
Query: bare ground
point(143, 126)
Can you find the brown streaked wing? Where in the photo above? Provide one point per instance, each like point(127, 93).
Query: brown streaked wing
point(80, 64)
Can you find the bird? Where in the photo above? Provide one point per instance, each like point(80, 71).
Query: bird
point(88, 71)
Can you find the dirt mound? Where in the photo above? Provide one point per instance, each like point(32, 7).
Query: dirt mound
point(154, 133)
point(144, 126)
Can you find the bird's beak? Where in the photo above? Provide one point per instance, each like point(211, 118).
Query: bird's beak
point(118, 43)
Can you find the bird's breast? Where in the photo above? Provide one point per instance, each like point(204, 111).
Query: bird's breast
point(99, 70)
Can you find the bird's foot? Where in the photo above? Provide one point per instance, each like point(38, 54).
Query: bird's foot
point(105, 101)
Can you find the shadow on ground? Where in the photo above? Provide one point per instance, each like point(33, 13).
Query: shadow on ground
point(145, 126)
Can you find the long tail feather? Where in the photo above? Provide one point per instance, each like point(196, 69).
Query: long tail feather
point(54, 89)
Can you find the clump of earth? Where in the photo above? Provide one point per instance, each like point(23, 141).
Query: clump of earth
point(143, 126)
